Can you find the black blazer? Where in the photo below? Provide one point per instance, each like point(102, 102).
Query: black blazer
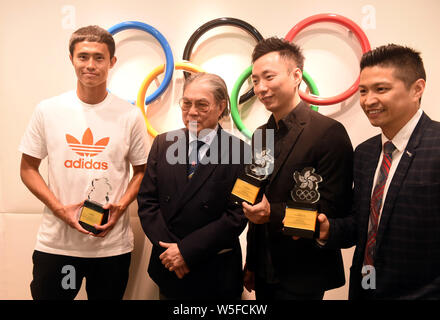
point(407, 259)
point(322, 143)
point(196, 214)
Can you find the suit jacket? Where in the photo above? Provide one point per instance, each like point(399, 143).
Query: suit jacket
point(195, 214)
point(301, 266)
point(407, 257)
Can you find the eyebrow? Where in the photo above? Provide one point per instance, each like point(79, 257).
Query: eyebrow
point(90, 54)
point(196, 100)
point(263, 73)
point(381, 83)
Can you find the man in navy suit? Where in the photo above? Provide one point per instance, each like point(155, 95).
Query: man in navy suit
point(184, 205)
point(395, 220)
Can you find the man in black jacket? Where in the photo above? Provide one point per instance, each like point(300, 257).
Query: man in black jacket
point(184, 204)
point(278, 266)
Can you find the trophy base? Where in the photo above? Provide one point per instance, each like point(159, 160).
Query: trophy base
point(301, 233)
point(93, 214)
point(301, 221)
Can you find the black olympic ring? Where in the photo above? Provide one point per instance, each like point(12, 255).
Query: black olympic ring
point(221, 22)
point(305, 194)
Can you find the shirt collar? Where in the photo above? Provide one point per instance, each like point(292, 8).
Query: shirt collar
point(401, 139)
point(207, 139)
point(287, 122)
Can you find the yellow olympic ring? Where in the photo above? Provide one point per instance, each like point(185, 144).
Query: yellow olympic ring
point(183, 65)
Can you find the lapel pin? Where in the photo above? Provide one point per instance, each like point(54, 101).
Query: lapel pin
point(409, 153)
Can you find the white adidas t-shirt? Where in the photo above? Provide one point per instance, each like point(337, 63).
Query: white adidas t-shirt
point(86, 142)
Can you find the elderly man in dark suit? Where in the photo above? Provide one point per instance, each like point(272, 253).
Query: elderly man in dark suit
point(184, 205)
point(277, 265)
point(395, 221)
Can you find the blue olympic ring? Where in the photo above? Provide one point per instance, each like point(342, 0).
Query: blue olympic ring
point(165, 46)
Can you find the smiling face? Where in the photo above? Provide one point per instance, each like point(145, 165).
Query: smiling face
point(276, 82)
point(92, 63)
point(386, 100)
point(199, 107)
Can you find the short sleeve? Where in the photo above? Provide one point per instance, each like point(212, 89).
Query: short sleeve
point(139, 143)
point(33, 142)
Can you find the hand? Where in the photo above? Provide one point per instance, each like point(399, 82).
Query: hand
point(258, 213)
point(173, 260)
point(69, 214)
point(249, 280)
point(115, 212)
point(324, 227)
point(181, 271)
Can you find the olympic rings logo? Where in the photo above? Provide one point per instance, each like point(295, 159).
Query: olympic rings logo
point(306, 194)
point(170, 66)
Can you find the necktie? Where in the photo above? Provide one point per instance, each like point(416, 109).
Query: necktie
point(194, 157)
point(376, 202)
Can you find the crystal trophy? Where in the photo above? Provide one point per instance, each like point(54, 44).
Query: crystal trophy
point(248, 184)
point(93, 212)
point(301, 214)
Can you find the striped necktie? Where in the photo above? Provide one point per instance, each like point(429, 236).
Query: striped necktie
point(376, 202)
point(194, 157)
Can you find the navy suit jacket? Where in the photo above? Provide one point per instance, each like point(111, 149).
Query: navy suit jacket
point(196, 214)
point(407, 258)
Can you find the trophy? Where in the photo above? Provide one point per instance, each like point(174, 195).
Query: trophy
point(92, 212)
point(302, 211)
point(248, 184)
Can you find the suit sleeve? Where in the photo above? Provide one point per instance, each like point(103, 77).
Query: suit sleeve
point(430, 291)
point(150, 215)
point(213, 237)
point(220, 234)
point(335, 165)
point(343, 231)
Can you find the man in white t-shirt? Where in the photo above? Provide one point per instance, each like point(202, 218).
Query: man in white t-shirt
point(90, 138)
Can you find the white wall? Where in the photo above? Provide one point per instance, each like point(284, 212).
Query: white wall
point(34, 65)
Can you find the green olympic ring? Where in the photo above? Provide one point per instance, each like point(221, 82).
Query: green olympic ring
point(234, 98)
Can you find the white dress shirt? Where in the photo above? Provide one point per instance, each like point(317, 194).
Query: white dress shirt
point(207, 139)
point(400, 141)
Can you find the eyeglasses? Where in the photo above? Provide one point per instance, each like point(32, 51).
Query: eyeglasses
point(200, 105)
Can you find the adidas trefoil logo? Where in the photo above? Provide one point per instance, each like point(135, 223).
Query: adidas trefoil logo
point(86, 148)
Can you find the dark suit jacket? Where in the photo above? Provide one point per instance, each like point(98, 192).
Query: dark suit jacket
point(322, 143)
point(407, 259)
point(197, 215)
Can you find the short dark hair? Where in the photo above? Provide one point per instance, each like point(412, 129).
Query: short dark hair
point(406, 61)
point(92, 34)
point(218, 88)
point(286, 49)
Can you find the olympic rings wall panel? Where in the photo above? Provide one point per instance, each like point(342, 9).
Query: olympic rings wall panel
point(216, 23)
point(184, 65)
point(312, 98)
point(358, 32)
point(165, 46)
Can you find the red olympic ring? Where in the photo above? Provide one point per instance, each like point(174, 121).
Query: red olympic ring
point(358, 32)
